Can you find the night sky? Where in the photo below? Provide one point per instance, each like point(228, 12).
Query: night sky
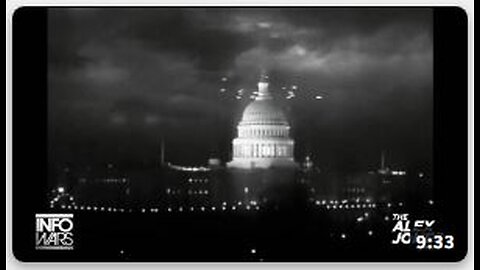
point(121, 79)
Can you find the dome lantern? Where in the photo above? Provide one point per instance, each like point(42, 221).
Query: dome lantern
point(263, 92)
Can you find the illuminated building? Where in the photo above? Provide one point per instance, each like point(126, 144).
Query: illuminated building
point(263, 134)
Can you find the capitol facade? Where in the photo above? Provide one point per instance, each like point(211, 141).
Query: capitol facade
point(263, 134)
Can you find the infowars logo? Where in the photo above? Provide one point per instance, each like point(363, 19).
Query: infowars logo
point(54, 231)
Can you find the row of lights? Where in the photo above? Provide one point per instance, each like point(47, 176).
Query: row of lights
point(199, 192)
point(251, 202)
point(351, 206)
point(213, 208)
point(344, 201)
point(92, 208)
point(114, 180)
point(247, 207)
point(344, 205)
point(170, 191)
point(197, 180)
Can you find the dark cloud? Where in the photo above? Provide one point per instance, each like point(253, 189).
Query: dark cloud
point(155, 72)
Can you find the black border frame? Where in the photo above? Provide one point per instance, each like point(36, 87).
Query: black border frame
point(29, 131)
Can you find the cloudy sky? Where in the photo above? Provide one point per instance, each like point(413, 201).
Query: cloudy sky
point(121, 79)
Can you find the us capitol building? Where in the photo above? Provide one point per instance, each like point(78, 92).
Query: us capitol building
point(263, 139)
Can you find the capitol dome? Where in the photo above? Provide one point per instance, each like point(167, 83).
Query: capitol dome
point(263, 134)
point(264, 111)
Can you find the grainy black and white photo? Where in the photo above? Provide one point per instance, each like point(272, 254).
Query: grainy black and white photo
point(241, 134)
